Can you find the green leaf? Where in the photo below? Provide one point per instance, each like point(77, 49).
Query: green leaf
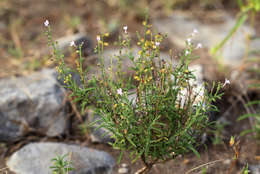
point(240, 21)
point(120, 156)
point(253, 103)
point(255, 86)
point(247, 116)
point(129, 139)
point(137, 156)
point(240, 3)
point(194, 151)
point(246, 132)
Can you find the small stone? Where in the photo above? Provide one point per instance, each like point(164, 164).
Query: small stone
point(36, 158)
point(123, 170)
point(227, 162)
point(124, 165)
point(79, 38)
point(33, 102)
point(100, 135)
point(254, 169)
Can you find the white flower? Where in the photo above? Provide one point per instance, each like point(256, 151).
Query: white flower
point(189, 41)
point(227, 82)
point(72, 44)
point(195, 31)
point(119, 91)
point(98, 38)
point(187, 52)
point(46, 23)
point(157, 44)
point(198, 46)
point(125, 28)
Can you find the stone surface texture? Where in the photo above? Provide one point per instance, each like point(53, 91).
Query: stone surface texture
point(180, 25)
point(254, 169)
point(33, 102)
point(35, 158)
point(79, 38)
point(100, 135)
point(111, 57)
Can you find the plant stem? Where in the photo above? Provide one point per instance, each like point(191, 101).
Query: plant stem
point(144, 170)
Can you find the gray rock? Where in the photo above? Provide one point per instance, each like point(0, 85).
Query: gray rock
point(79, 38)
point(2, 26)
point(254, 169)
point(254, 45)
point(65, 48)
point(34, 102)
point(100, 135)
point(35, 158)
point(111, 57)
point(123, 170)
point(180, 26)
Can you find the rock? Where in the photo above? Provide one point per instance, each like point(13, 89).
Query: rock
point(64, 44)
point(254, 46)
point(74, 76)
point(123, 170)
point(36, 158)
point(31, 102)
point(100, 135)
point(124, 165)
point(87, 47)
point(227, 162)
point(254, 169)
point(2, 26)
point(180, 25)
point(197, 85)
point(111, 58)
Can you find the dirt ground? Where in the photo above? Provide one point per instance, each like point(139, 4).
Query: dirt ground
point(22, 50)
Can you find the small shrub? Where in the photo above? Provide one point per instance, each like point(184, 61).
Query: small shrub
point(61, 165)
point(167, 111)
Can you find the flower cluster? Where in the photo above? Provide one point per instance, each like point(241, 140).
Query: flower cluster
point(189, 41)
point(100, 39)
point(67, 78)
